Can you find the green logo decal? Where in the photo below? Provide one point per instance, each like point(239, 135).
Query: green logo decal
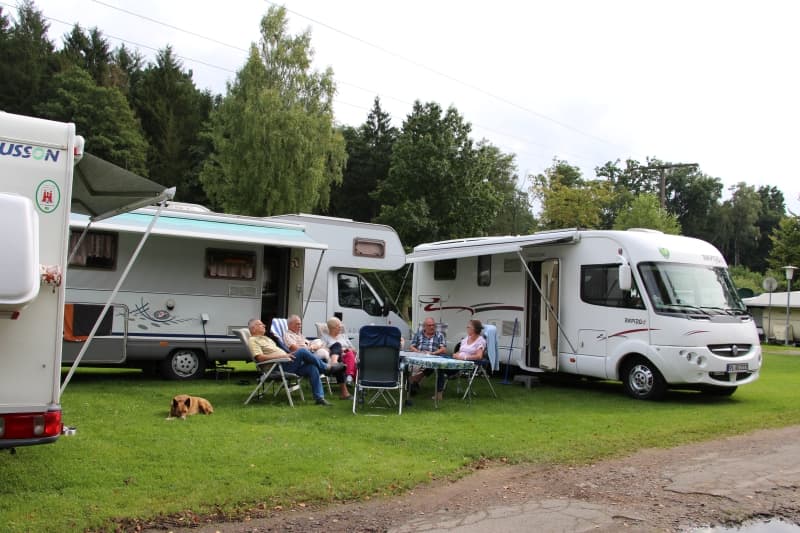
point(664, 252)
point(48, 196)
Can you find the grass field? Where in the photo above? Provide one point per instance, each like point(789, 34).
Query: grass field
point(126, 461)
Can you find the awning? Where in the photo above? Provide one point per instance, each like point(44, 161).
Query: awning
point(217, 227)
point(101, 189)
point(456, 249)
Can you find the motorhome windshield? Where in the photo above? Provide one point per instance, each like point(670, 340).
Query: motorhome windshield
point(690, 289)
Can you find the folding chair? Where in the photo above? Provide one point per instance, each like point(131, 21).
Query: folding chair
point(483, 367)
point(378, 367)
point(278, 327)
point(271, 374)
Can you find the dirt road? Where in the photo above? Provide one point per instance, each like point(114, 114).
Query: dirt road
point(715, 482)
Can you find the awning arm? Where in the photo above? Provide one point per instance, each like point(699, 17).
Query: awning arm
point(546, 301)
point(313, 281)
point(113, 294)
point(165, 195)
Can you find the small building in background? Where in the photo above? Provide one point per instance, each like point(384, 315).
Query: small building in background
point(769, 312)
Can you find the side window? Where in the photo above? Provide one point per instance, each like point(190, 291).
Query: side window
point(349, 291)
point(355, 293)
point(369, 248)
point(484, 270)
point(445, 269)
point(600, 286)
point(230, 264)
point(97, 250)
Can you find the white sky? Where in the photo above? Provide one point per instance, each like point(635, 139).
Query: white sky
point(709, 82)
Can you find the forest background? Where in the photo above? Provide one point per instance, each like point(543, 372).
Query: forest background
point(271, 145)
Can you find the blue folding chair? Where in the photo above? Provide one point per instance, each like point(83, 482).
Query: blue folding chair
point(378, 367)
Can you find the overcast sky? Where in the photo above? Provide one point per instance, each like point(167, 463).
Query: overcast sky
point(709, 82)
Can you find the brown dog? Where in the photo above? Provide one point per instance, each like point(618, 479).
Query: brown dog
point(184, 405)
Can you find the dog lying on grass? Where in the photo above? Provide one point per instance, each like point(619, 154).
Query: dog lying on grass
point(184, 405)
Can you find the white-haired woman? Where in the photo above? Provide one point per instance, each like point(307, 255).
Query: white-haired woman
point(339, 345)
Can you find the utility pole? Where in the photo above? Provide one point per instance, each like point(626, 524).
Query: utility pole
point(661, 169)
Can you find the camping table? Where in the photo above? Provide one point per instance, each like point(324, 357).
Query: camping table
point(436, 363)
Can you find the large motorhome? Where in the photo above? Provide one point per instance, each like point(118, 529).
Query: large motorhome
point(654, 311)
point(204, 274)
point(39, 184)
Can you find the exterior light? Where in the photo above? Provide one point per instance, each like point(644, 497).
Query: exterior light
point(789, 270)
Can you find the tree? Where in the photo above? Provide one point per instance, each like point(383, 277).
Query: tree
point(568, 200)
point(28, 63)
point(172, 113)
point(513, 215)
point(435, 190)
point(644, 211)
point(103, 117)
point(695, 199)
point(740, 235)
point(369, 152)
point(773, 209)
point(126, 69)
point(785, 244)
point(89, 51)
point(275, 146)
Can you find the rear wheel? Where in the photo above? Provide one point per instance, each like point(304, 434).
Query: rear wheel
point(642, 380)
point(183, 364)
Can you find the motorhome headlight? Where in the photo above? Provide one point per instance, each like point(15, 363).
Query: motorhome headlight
point(701, 360)
point(689, 355)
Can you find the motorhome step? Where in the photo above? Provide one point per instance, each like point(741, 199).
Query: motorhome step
point(528, 381)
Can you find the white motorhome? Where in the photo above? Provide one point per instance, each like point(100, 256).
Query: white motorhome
point(204, 274)
point(39, 184)
point(654, 311)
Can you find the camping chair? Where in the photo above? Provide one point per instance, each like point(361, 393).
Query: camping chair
point(483, 367)
point(278, 328)
point(271, 374)
point(379, 367)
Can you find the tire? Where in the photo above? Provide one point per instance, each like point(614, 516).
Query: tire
point(643, 381)
point(714, 390)
point(183, 364)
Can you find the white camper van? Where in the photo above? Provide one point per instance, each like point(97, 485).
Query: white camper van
point(204, 274)
point(651, 310)
point(38, 186)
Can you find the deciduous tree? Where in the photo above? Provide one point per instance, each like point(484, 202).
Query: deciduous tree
point(275, 146)
point(644, 211)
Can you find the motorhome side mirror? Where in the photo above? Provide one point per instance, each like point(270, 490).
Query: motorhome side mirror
point(625, 281)
point(385, 309)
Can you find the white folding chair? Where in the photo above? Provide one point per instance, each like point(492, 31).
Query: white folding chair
point(271, 373)
point(278, 328)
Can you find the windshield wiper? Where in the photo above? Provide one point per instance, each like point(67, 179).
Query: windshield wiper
point(687, 307)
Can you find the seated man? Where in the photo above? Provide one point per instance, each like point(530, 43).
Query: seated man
point(295, 340)
point(303, 362)
point(429, 342)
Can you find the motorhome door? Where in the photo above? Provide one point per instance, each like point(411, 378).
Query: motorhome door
point(548, 323)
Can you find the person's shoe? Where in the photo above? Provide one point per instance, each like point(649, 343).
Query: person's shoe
point(323, 402)
point(349, 380)
point(335, 368)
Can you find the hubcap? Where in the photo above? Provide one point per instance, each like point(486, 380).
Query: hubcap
point(641, 379)
point(185, 364)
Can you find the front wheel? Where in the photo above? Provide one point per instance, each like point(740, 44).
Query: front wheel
point(183, 364)
point(642, 380)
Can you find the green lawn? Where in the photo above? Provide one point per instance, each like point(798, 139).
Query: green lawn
point(127, 462)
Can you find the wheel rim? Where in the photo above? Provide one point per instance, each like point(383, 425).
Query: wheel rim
point(185, 363)
point(641, 379)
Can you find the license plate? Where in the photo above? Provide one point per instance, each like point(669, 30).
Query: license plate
point(737, 367)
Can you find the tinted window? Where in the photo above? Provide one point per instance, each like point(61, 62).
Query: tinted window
point(600, 286)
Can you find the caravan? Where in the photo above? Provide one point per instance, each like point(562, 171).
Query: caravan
point(204, 274)
point(651, 310)
point(39, 184)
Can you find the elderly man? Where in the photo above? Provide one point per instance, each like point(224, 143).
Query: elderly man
point(427, 341)
point(295, 340)
point(303, 362)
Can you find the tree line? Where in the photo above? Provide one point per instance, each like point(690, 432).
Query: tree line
point(271, 145)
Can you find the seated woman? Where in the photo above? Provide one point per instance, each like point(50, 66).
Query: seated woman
point(339, 345)
point(472, 348)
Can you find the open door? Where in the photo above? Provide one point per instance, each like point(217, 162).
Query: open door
point(548, 323)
